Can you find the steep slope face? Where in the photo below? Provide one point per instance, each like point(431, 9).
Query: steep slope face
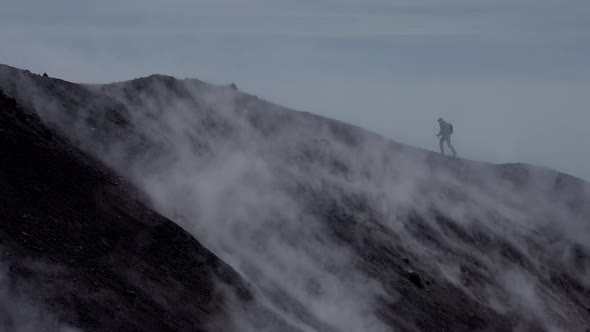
point(337, 228)
point(78, 247)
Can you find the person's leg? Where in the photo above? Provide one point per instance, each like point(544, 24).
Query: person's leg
point(451, 146)
point(442, 145)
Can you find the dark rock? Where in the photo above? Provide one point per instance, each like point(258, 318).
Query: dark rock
point(414, 278)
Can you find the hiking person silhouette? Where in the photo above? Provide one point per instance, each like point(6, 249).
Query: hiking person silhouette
point(446, 130)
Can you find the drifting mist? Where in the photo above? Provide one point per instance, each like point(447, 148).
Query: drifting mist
point(260, 185)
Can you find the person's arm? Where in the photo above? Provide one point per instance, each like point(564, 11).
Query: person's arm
point(440, 132)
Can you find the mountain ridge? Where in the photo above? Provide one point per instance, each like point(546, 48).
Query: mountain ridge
point(324, 218)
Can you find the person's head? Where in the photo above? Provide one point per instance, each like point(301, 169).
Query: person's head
point(440, 120)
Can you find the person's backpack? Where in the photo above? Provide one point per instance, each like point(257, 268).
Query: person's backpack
point(450, 128)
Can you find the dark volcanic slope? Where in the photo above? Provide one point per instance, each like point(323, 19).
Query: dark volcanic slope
point(334, 228)
point(74, 235)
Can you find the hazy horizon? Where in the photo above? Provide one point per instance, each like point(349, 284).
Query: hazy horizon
point(512, 76)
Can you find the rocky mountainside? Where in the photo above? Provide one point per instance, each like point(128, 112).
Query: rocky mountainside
point(114, 194)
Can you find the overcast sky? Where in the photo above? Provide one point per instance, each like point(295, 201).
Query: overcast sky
point(513, 76)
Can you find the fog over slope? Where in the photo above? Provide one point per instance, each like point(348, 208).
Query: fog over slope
point(336, 228)
point(79, 248)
